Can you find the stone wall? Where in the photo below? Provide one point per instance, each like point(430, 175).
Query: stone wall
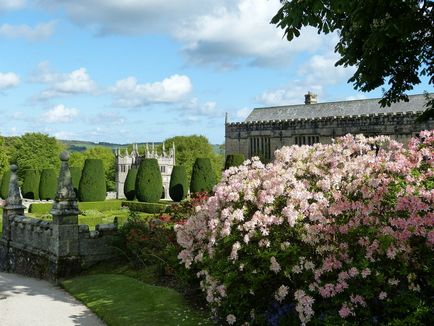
point(51, 249)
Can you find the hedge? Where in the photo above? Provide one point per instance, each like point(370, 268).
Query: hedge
point(92, 185)
point(178, 187)
point(4, 190)
point(234, 160)
point(149, 184)
point(151, 208)
point(202, 177)
point(130, 183)
point(30, 187)
point(109, 205)
point(48, 184)
point(75, 176)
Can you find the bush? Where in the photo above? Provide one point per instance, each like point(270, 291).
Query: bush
point(149, 184)
point(178, 187)
point(4, 190)
point(92, 185)
point(109, 205)
point(75, 176)
point(48, 184)
point(30, 187)
point(234, 160)
point(202, 177)
point(338, 234)
point(150, 208)
point(130, 183)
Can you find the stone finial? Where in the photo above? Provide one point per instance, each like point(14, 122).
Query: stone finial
point(164, 150)
point(65, 202)
point(14, 200)
point(310, 98)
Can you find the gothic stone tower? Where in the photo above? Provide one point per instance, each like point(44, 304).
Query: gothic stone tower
point(124, 162)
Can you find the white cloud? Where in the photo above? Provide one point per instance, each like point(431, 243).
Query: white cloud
point(61, 84)
point(221, 32)
point(65, 135)
point(11, 4)
point(60, 114)
point(243, 113)
point(356, 97)
point(129, 93)
point(39, 32)
point(8, 80)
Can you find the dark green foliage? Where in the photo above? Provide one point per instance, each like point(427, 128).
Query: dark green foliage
point(130, 183)
point(102, 206)
point(178, 187)
point(149, 184)
point(48, 184)
point(92, 185)
point(202, 177)
point(4, 191)
point(30, 187)
point(151, 208)
point(234, 160)
point(75, 176)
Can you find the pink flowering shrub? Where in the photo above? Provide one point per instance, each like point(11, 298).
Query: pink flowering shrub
point(326, 234)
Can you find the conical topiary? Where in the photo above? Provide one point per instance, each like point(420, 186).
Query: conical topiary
point(30, 187)
point(202, 176)
point(4, 189)
point(234, 160)
point(75, 177)
point(149, 184)
point(130, 183)
point(178, 187)
point(92, 185)
point(48, 184)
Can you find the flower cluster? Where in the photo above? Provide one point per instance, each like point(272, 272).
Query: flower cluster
point(348, 228)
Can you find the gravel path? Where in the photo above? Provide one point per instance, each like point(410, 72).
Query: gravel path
point(26, 301)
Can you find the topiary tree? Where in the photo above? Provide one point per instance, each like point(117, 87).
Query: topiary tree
point(48, 184)
point(202, 177)
point(75, 176)
point(149, 184)
point(30, 187)
point(234, 160)
point(178, 187)
point(92, 185)
point(4, 189)
point(130, 183)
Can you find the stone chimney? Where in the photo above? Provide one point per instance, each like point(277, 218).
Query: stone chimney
point(310, 98)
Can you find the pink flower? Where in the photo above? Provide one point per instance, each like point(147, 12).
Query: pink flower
point(344, 312)
point(275, 267)
point(382, 295)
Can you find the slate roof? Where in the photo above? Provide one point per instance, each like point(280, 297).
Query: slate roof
point(344, 108)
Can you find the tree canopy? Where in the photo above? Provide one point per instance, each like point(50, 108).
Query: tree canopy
point(387, 41)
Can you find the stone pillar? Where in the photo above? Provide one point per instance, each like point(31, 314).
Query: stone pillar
point(13, 204)
point(65, 215)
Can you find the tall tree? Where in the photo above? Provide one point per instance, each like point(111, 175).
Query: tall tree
point(4, 157)
point(387, 40)
point(188, 148)
point(107, 157)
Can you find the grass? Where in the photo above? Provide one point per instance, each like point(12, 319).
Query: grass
point(123, 300)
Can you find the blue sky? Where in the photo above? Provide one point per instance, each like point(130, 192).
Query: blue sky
point(145, 70)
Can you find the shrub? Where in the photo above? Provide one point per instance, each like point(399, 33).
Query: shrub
point(178, 187)
point(234, 160)
point(101, 206)
point(92, 185)
point(48, 184)
point(30, 187)
point(151, 208)
point(130, 183)
point(75, 176)
point(149, 184)
point(338, 234)
point(202, 177)
point(4, 191)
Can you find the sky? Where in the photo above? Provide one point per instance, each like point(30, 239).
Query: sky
point(146, 70)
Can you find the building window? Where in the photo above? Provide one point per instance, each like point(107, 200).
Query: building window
point(123, 169)
point(260, 146)
point(162, 169)
point(306, 140)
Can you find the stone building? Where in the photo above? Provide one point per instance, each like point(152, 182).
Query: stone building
point(269, 128)
point(125, 161)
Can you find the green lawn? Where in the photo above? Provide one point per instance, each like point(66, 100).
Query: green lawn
point(122, 300)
